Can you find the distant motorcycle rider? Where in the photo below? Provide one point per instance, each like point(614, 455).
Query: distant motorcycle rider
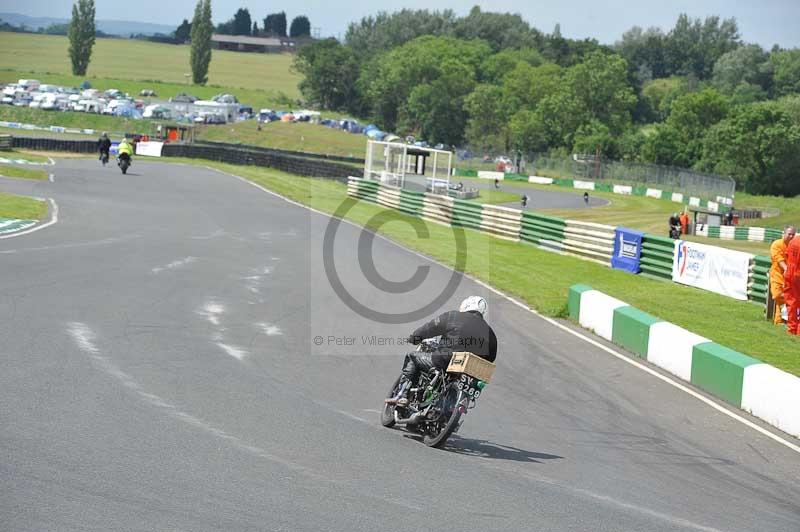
point(104, 145)
point(125, 149)
point(461, 330)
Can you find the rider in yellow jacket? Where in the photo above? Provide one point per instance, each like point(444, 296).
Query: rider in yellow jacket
point(125, 147)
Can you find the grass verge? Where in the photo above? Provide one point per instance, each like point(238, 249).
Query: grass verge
point(21, 208)
point(490, 196)
point(24, 173)
point(24, 155)
point(288, 136)
point(541, 279)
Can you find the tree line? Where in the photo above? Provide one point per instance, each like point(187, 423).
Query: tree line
point(695, 96)
point(273, 25)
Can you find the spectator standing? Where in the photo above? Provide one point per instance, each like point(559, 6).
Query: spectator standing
point(791, 286)
point(684, 219)
point(777, 252)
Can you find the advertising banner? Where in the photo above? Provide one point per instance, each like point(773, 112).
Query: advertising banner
point(719, 270)
point(151, 149)
point(627, 249)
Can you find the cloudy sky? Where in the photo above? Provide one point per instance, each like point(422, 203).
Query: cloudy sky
point(765, 22)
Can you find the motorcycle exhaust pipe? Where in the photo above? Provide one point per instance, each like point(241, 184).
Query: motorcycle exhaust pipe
point(411, 419)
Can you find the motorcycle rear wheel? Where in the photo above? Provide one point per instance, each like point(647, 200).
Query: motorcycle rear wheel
point(452, 400)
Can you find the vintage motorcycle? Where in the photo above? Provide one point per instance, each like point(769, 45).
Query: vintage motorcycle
point(437, 404)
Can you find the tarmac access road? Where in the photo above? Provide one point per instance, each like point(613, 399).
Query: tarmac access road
point(175, 359)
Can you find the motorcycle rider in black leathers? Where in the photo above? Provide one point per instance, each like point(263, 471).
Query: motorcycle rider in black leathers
point(104, 145)
point(461, 330)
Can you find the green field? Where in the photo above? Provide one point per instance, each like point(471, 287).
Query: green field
point(7, 170)
point(124, 59)
point(18, 207)
point(288, 136)
point(542, 279)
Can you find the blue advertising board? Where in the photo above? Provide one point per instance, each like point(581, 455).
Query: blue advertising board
point(627, 249)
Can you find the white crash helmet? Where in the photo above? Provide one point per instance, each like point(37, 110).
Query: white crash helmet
point(474, 303)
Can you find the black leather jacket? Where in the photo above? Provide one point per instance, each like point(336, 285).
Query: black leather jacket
point(104, 144)
point(460, 331)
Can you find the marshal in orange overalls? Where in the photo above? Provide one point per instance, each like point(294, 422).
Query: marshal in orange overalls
point(791, 285)
point(777, 252)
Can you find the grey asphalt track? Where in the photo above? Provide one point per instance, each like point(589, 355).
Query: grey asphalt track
point(160, 373)
point(542, 199)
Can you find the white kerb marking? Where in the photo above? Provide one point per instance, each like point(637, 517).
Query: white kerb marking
point(616, 354)
point(53, 220)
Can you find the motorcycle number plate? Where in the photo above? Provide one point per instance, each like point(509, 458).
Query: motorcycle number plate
point(469, 385)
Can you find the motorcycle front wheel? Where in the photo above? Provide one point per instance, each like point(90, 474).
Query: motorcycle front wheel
point(387, 414)
point(451, 415)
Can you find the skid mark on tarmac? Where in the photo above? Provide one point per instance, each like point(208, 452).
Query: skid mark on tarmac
point(270, 329)
point(233, 351)
point(174, 264)
point(212, 311)
point(85, 338)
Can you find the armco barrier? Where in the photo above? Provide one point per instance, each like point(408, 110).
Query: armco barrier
point(291, 164)
point(758, 279)
point(658, 255)
point(544, 231)
point(285, 163)
point(590, 241)
point(275, 151)
point(734, 232)
point(745, 382)
point(501, 222)
point(47, 144)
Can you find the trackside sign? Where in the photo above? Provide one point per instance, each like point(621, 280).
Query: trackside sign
point(719, 270)
point(627, 249)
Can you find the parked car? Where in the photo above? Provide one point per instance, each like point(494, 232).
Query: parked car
point(183, 97)
point(29, 84)
point(225, 98)
point(22, 99)
point(147, 92)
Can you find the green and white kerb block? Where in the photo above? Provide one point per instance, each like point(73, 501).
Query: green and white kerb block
point(12, 226)
point(763, 390)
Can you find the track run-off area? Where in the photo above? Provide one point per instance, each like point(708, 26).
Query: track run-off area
point(174, 357)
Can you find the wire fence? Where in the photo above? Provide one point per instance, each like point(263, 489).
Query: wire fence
point(591, 168)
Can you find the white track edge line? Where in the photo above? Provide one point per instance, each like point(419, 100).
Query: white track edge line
point(624, 358)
